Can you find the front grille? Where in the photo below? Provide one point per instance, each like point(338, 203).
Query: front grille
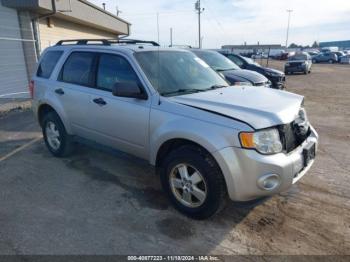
point(291, 137)
point(295, 64)
point(283, 78)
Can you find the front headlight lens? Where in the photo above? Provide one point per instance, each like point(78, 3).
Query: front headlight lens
point(265, 141)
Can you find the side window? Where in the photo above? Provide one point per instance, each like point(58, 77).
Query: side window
point(113, 69)
point(48, 63)
point(78, 69)
point(236, 60)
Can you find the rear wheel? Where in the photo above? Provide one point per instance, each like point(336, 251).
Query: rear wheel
point(193, 182)
point(55, 136)
point(330, 61)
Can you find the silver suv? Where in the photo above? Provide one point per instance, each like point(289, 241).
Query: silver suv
point(208, 141)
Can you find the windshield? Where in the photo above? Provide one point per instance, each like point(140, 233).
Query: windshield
point(177, 72)
point(250, 61)
point(303, 56)
point(216, 61)
point(298, 57)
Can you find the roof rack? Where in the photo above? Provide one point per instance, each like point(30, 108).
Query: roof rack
point(133, 41)
point(106, 42)
point(84, 41)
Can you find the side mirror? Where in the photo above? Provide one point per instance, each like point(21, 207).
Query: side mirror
point(128, 89)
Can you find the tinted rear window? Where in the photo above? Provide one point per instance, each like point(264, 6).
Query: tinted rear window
point(48, 63)
point(78, 69)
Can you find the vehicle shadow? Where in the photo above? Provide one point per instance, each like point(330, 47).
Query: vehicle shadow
point(141, 195)
point(105, 202)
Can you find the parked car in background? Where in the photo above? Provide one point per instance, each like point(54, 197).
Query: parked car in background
point(284, 56)
point(276, 53)
point(300, 62)
point(339, 54)
point(325, 57)
point(313, 53)
point(277, 78)
point(208, 141)
point(329, 49)
point(260, 56)
point(345, 59)
point(232, 72)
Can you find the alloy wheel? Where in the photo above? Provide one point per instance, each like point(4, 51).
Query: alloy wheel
point(53, 135)
point(188, 185)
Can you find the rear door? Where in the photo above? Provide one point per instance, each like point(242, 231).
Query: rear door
point(73, 88)
point(117, 121)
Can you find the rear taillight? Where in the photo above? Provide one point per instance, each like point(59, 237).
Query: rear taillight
point(31, 88)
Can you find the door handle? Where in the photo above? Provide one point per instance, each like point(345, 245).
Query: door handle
point(100, 101)
point(59, 91)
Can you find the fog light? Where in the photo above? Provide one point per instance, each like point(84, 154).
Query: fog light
point(269, 182)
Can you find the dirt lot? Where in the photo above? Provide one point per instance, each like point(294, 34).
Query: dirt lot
point(99, 202)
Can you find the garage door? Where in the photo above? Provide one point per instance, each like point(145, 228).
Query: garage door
point(13, 74)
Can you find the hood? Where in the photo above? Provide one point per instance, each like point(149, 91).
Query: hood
point(296, 61)
point(271, 70)
point(247, 75)
point(256, 106)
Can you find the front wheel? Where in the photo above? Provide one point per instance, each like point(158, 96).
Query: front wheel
point(55, 136)
point(193, 182)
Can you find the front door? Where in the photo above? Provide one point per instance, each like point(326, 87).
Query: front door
point(119, 122)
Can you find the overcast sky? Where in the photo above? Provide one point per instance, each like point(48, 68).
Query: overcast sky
point(236, 21)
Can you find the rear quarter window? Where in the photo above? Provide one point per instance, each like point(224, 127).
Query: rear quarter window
point(48, 63)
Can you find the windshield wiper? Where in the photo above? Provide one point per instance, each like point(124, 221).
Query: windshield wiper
point(223, 70)
point(216, 87)
point(180, 91)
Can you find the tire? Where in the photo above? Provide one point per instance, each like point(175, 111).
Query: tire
point(306, 72)
point(53, 127)
point(314, 61)
point(330, 61)
point(194, 159)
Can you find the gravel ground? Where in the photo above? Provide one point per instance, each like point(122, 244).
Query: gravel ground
point(106, 202)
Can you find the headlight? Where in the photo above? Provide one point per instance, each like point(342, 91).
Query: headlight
point(265, 141)
point(242, 84)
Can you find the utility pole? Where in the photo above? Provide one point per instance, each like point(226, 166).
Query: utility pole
point(289, 13)
point(158, 27)
point(199, 10)
point(171, 36)
point(118, 11)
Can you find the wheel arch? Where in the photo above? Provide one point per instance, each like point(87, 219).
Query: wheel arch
point(46, 108)
point(172, 144)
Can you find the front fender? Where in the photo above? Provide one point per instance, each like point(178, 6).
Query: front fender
point(210, 136)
